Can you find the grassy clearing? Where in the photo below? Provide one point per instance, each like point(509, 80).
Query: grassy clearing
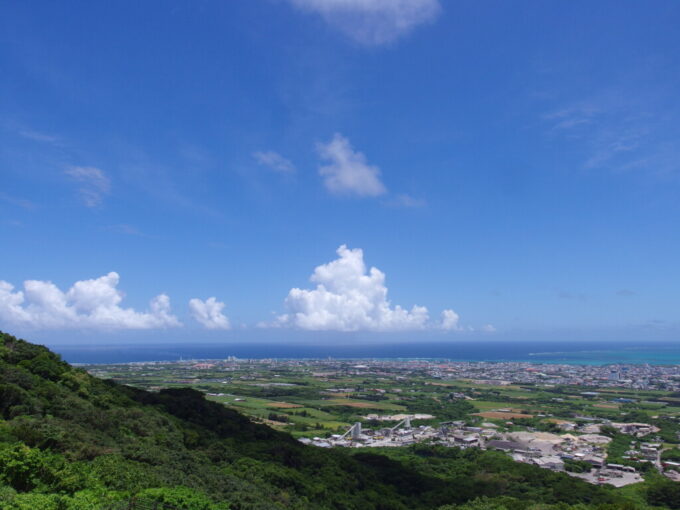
point(485, 405)
point(365, 404)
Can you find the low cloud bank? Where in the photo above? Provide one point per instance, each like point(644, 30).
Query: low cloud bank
point(87, 304)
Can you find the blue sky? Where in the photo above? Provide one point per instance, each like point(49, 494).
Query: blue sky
point(512, 170)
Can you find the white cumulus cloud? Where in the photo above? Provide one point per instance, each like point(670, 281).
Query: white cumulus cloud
point(405, 201)
point(349, 298)
point(94, 184)
point(87, 304)
point(347, 172)
point(275, 161)
point(373, 22)
point(450, 321)
point(209, 313)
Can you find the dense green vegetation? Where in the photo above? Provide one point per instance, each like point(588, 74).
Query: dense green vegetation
point(673, 454)
point(69, 441)
point(313, 398)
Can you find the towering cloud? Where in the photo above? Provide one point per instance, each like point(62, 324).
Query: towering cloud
point(87, 304)
point(347, 172)
point(349, 298)
point(373, 22)
point(209, 313)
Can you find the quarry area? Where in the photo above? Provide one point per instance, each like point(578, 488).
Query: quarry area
point(544, 449)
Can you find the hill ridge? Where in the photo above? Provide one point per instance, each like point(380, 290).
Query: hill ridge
point(69, 441)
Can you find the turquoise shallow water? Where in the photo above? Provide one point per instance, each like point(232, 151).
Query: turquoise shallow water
point(654, 356)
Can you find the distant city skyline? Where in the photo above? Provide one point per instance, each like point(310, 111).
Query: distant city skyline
point(309, 171)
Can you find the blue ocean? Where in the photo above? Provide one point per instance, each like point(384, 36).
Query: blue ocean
point(539, 352)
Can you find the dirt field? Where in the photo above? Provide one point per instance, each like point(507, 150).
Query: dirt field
point(349, 403)
point(498, 415)
point(273, 423)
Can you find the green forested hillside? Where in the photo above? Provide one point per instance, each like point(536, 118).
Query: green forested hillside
point(71, 441)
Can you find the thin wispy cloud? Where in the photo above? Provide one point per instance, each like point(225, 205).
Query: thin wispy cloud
point(617, 135)
point(578, 296)
point(94, 184)
point(347, 171)
point(274, 161)
point(17, 201)
point(143, 173)
point(37, 136)
point(125, 229)
point(611, 145)
point(373, 22)
point(571, 117)
point(406, 201)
